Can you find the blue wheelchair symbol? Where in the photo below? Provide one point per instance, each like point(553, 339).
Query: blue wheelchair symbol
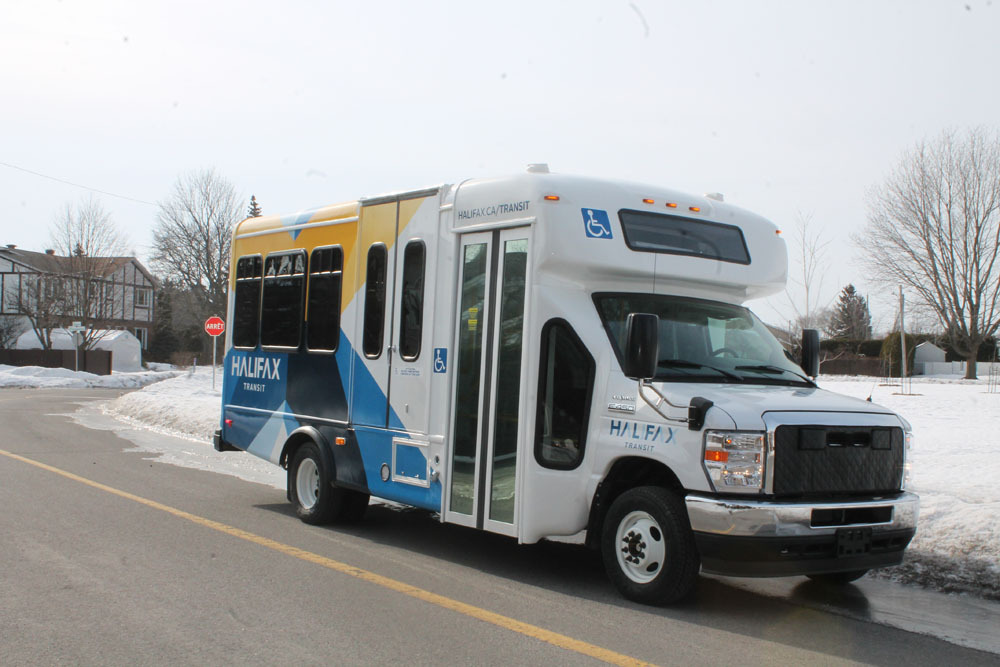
point(596, 223)
point(440, 359)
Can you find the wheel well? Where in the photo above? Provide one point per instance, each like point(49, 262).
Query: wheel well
point(626, 473)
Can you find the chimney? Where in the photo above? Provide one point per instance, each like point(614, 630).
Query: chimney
point(50, 251)
point(11, 246)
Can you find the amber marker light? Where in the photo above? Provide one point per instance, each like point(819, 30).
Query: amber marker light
point(340, 441)
point(778, 232)
point(696, 209)
point(551, 197)
point(671, 205)
point(647, 201)
point(716, 455)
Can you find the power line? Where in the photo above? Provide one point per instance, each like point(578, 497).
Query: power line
point(76, 185)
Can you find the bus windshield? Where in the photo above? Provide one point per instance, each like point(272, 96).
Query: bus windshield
point(703, 341)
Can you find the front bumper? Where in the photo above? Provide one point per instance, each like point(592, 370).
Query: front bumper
point(774, 538)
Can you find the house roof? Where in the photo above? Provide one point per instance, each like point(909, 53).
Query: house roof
point(45, 263)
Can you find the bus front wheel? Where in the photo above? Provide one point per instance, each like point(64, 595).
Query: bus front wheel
point(648, 548)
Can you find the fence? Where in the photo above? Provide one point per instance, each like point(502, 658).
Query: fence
point(97, 362)
point(867, 366)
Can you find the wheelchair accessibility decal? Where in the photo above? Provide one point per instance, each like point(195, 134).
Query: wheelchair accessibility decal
point(440, 359)
point(596, 223)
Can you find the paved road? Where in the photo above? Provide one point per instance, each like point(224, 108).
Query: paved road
point(109, 558)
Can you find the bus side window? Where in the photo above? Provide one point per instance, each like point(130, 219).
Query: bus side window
point(246, 311)
point(565, 388)
point(281, 314)
point(412, 308)
point(325, 276)
point(375, 302)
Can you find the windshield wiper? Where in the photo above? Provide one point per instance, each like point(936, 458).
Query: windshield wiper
point(682, 363)
point(766, 368)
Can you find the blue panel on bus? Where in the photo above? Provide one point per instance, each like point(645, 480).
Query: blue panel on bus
point(410, 462)
point(375, 446)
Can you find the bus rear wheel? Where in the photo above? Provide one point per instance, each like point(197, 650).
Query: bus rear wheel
point(648, 548)
point(316, 502)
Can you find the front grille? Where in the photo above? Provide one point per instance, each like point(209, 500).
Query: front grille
point(837, 460)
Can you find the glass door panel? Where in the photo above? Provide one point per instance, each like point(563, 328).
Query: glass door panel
point(470, 344)
point(510, 332)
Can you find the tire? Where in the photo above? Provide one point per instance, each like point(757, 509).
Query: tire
point(648, 548)
point(316, 502)
point(837, 578)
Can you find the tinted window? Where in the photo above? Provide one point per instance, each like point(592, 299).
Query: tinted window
point(677, 235)
point(246, 311)
point(325, 277)
point(565, 386)
point(412, 304)
point(281, 314)
point(375, 301)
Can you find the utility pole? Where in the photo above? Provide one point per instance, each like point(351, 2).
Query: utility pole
point(902, 340)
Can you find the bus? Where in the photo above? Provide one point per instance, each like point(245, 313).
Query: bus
point(549, 356)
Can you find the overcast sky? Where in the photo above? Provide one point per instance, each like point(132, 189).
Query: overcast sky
point(788, 108)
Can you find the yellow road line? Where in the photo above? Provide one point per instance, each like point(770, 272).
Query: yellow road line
point(506, 622)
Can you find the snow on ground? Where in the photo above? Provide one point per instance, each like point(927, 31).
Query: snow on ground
point(955, 423)
point(36, 376)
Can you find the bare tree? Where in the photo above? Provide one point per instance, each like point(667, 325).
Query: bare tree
point(89, 246)
point(934, 227)
point(810, 254)
point(72, 284)
point(192, 235)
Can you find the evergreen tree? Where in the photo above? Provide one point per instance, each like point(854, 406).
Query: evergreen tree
point(253, 211)
point(164, 341)
point(851, 318)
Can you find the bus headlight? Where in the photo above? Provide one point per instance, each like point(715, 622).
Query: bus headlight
point(908, 439)
point(734, 460)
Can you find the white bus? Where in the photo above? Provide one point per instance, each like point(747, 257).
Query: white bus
point(542, 356)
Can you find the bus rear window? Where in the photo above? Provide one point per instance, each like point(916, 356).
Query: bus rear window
point(677, 235)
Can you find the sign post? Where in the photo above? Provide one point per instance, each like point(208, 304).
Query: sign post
point(214, 326)
point(76, 330)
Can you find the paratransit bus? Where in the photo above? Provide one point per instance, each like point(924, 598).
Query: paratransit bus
point(542, 356)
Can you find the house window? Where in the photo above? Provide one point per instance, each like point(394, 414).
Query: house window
point(142, 297)
point(140, 333)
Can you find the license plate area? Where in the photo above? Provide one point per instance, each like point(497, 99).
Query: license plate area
point(853, 542)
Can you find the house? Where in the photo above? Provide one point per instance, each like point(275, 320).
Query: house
point(102, 292)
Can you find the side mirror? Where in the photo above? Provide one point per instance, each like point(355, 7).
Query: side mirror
point(642, 346)
point(810, 352)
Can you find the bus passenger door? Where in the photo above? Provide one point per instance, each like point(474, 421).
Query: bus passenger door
point(413, 315)
point(376, 276)
point(488, 423)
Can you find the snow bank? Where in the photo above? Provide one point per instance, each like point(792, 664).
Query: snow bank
point(185, 405)
point(37, 377)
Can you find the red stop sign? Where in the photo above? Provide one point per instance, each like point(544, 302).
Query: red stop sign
point(214, 326)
